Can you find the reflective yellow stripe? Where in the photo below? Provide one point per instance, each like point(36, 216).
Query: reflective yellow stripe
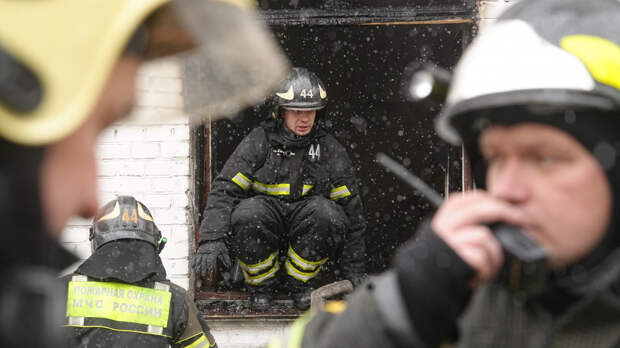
point(295, 334)
point(257, 267)
point(335, 307)
point(272, 189)
point(190, 338)
point(339, 192)
point(275, 343)
point(114, 329)
point(297, 274)
point(202, 342)
point(306, 189)
point(304, 264)
point(255, 280)
point(119, 302)
point(242, 181)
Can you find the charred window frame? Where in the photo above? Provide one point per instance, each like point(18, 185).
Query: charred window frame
point(366, 104)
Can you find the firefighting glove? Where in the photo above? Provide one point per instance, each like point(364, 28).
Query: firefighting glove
point(207, 255)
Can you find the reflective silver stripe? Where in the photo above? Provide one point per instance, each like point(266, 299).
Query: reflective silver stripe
point(161, 286)
point(257, 267)
point(255, 280)
point(339, 192)
point(77, 321)
point(79, 278)
point(272, 189)
point(306, 189)
point(242, 181)
point(158, 330)
point(304, 264)
point(297, 274)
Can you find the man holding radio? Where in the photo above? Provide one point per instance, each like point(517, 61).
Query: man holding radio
point(536, 102)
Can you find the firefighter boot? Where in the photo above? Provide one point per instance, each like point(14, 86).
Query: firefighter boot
point(301, 300)
point(261, 297)
point(299, 292)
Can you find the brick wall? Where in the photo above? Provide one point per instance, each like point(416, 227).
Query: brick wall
point(147, 156)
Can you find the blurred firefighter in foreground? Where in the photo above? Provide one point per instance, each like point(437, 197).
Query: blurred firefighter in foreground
point(288, 186)
point(67, 71)
point(536, 102)
point(120, 297)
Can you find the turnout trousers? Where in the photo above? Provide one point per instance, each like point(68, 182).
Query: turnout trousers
point(309, 230)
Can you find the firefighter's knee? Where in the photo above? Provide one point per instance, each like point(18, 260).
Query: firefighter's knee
point(327, 213)
point(247, 211)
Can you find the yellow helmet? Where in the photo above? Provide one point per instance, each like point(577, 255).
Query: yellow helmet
point(62, 52)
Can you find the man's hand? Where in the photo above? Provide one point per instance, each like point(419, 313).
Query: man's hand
point(207, 255)
point(462, 222)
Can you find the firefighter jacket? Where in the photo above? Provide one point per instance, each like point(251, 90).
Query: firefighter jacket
point(443, 313)
point(120, 297)
point(272, 162)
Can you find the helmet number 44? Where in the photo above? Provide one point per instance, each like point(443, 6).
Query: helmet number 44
point(306, 93)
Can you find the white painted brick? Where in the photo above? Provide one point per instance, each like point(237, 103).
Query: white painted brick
point(144, 167)
point(147, 156)
point(166, 200)
point(176, 233)
point(170, 216)
point(175, 149)
point(166, 167)
point(166, 84)
point(151, 115)
point(81, 250)
point(130, 133)
point(168, 100)
point(109, 151)
point(158, 201)
point(75, 234)
point(78, 221)
point(183, 282)
point(124, 185)
point(175, 250)
point(168, 184)
point(168, 67)
point(169, 133)
point(145, 150)
point(178, 267)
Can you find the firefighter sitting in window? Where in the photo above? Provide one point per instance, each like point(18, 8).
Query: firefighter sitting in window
point(288, 180)
point(120, 297)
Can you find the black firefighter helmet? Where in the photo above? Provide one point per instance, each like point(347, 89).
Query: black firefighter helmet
point(301, 90)
point(124, 218)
